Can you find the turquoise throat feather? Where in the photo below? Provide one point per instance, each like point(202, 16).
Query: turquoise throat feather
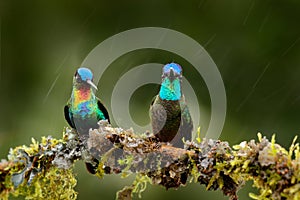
point(170, 116)
point(170, 91)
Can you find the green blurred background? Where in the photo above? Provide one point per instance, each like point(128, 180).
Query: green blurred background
point(255, 45)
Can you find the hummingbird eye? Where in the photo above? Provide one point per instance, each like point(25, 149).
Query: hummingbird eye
point(77, 76)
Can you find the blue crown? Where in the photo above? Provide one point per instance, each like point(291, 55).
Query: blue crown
point(85, 74)
point(176, 67)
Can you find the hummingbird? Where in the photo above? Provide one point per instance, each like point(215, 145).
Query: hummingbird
point(84, 109)
point(169, 113)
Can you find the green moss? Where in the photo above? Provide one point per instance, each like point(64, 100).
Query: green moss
point(42, 170)
point(100, 170)
point(54, 184)
point(198, 139)
point(127, 162)
point(194, 170)
point(31, 174)
point(140, 184)
point(274, 170)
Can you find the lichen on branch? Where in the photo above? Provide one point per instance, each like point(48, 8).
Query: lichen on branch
point(44, 169)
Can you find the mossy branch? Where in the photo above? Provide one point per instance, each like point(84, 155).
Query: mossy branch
point(43, 169)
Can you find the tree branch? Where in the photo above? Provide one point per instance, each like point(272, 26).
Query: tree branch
point(44, 169)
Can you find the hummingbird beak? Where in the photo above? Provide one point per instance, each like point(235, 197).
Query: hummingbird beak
point(172, 74)
point(92, 84)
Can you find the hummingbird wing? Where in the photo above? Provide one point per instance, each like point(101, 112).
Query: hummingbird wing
point(69, 116)
point(92, 168)
point(186, 125)
point(103, 110)
point(152, 101)
point(186, 120)
point(158, 115)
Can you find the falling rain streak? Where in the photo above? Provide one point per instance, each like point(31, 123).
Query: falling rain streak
point(264, 21)
point(253, 88)
point(249, 11)
point(51, 88)
point(290, 47)
point(199, 52)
